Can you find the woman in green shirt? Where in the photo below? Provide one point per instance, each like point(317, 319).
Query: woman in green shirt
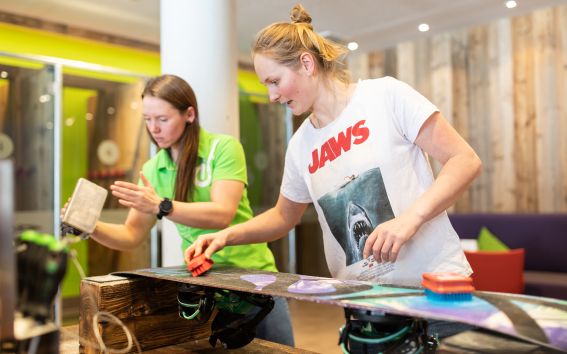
point(198, 181)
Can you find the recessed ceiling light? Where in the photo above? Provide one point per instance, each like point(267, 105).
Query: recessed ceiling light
point(352, 46)
point(511, 4)
point(424, 27)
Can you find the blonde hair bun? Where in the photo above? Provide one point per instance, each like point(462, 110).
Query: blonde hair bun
point(299, 15)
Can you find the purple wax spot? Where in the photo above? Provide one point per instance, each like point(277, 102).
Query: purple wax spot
point(307, 286)
point(259, 280)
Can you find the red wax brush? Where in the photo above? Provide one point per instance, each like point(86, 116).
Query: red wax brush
point(199, 265)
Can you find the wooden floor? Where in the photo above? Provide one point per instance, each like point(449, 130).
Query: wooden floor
point(316, 326)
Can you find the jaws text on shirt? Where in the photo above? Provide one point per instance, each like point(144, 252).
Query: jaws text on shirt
point(334, 147)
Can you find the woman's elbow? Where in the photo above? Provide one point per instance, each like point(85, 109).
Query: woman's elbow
point(134, 238)
point(225, 220)
point(475, 165)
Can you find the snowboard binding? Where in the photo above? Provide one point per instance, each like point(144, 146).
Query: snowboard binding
point(195, 302)
point(238, 313)
point(366, 332)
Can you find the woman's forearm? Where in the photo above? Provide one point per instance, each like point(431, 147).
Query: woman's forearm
point(115, 236)
point(268, 226)
point(203, 215)
point(124, 237)
point(453, 179)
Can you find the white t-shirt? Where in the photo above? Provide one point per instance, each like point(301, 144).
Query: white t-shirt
point(364, 169)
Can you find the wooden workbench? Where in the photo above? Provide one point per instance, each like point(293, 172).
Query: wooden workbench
point(148, 307)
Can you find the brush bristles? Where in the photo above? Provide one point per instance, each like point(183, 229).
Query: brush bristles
point(199, 265)
point(448, 296)
point(200, 269)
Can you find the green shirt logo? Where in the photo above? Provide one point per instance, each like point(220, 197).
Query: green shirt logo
point(203, 173)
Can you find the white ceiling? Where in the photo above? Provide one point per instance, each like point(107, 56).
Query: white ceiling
point(372, 23)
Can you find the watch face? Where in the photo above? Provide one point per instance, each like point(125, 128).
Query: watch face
point(165, 206)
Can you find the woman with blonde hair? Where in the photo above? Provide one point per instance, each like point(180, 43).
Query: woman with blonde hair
point(360, 158)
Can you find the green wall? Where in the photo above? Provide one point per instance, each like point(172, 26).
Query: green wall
point(74, 165)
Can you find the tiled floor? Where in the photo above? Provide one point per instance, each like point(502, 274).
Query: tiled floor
point(316, 326)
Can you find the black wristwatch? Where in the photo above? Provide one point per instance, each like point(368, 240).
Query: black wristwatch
point(165, 207)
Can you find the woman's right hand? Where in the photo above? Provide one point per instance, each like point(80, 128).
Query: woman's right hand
point(207, 244)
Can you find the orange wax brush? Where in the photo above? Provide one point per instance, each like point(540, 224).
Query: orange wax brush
point(447, 286)
point(199, 265)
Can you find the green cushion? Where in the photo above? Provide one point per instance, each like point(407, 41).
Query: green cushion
point(487, 241)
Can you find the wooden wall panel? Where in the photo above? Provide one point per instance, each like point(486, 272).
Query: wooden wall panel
point(423, 67)
point(561, 26)
point(501, 116)
point(479, 113)
point(441, 78)
point(358, 65)
point(376, 64)
point(525, 125)
point(390, 62)
point(546, 108)
point(460, 114)
point(442, 75)
point(503, 86)
point(406, 63)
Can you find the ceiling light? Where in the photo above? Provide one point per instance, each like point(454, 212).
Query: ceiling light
point(424, 27)
point(511, 4)
point(3, 74)
point(352, 46)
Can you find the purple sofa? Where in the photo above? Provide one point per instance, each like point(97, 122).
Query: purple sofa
point(544, 238)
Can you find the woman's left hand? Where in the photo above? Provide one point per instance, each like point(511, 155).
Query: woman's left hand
point(142, 198)
point(388, 238)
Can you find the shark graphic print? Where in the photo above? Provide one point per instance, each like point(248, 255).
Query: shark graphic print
point(359, 228)
point(355, 209)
